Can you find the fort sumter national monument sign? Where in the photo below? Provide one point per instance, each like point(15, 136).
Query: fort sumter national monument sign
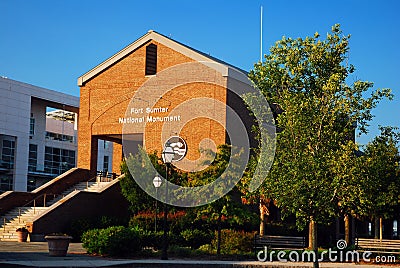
point(141, 115)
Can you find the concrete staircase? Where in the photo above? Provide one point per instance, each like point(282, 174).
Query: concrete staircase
point(19, 216)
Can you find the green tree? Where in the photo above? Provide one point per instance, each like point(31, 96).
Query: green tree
point(139, 199)
point(380, 180)
point(228, 207)
point(316, 112)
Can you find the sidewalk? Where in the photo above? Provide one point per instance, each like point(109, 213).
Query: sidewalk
point(35, 254)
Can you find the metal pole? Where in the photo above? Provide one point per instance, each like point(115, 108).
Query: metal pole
point(155, 221)
point(261, 34)
point(164, 255)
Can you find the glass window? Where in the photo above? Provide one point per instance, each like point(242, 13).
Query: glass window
point(7, 155)
point(32, 162)
point(105, 163)
point(32, 126)
point(59, 137)
point(6, 183)
point(58, 160)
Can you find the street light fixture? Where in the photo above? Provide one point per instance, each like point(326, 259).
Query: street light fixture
point(157, 181)
point(167, 156)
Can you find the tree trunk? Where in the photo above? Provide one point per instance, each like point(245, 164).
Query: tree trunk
point(219, 234)
point(376, 233)
point(262, 223)
point(310, 235)
point(263, 207)
point(347, 229)
point(314, 241)
point(262, 220)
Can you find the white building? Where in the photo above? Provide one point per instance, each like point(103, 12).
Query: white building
point(38, 136)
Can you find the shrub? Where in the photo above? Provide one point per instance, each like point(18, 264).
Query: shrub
point(114, 241)
point(79, 226)
point(145, 220)
point(234, 242)
point(196, 238)
point(152, 239)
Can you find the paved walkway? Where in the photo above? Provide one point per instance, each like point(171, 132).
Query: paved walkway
point(35, 254)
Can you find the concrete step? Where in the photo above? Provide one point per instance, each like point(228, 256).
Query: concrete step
point(19, 216)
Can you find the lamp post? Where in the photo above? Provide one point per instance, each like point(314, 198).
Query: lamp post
point(157, 183)
point(167, 156)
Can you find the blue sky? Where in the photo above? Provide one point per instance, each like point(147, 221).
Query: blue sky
point(50, 43)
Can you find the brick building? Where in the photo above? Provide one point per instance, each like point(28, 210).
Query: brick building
point(153, 89)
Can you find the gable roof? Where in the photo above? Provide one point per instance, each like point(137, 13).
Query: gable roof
point(224, 68)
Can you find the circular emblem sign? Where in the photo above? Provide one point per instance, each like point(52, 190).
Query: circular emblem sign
point(179, 147)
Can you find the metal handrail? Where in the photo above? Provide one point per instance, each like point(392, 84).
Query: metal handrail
point(101, 177)
point(4, 223)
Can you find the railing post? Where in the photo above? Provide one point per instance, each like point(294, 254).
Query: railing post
point(19, 215)
point(34, 206)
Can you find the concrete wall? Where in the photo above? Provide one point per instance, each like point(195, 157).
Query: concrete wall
point(11, 199)
point(17, 101)
point(80, 205)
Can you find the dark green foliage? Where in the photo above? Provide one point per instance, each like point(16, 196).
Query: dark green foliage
point(138, 198)
point(151, 239)
point(113, 241)
point(234, 242)
point(380, 178)
point(196, 238)
point(79, 226)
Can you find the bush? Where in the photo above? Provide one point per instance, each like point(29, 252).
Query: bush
point(114, 241)
point(79, 226)
point(234, 242)
point(152, 239)
point(145, 220)
point(196, 238)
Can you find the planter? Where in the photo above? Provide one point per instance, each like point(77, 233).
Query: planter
point(58, 244)
point(22, 236)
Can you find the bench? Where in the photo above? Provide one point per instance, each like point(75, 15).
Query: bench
point(278, 242)
point(388, 246)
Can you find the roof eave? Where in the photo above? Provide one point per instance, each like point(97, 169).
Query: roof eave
point(224, 69)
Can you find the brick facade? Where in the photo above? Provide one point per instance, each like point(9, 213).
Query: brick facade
point(106, 96)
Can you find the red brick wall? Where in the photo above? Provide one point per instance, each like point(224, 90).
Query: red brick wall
point(106, 97)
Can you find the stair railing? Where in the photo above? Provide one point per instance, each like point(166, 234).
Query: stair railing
point(4, 223)
point(101, 176)
point(89, 180)
point(34, 201)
